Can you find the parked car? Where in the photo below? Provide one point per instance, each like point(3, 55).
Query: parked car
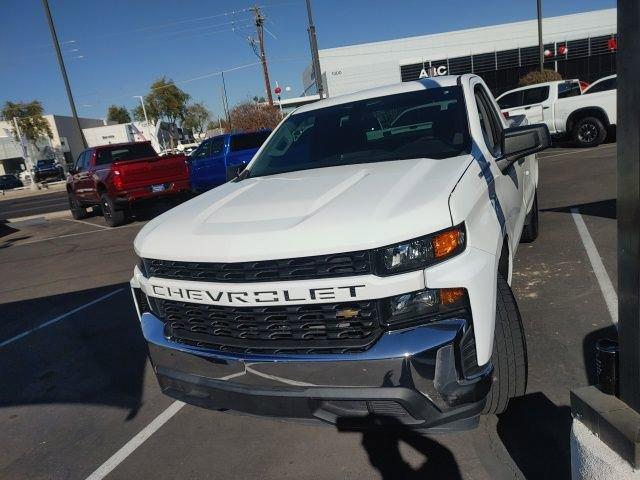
point(47, 169)
point(9, 181)
point(358, 267)
point(567, 111)
point(218, 159)
point(115, 176)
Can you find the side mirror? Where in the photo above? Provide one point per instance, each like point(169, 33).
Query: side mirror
point(519, 142)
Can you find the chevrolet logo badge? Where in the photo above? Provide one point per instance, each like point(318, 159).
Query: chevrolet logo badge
point(347, 313)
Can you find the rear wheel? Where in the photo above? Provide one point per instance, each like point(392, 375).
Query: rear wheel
point(78, 212)
point(509, 356)
point(531, 224)
point(112, 216)
point(589, 132)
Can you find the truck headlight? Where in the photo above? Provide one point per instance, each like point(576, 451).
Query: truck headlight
point(423, 304)
point(420, 252)
point(142, 267)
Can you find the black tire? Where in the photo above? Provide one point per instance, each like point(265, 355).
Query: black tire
point(112, 216)
point(531, 227)
point(509, 356)
point(589, 132)
point(78, 212)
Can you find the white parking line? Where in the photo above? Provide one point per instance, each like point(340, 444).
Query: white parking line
point(86, 223)
point(584, 151)
point(106, 229)
point(58, 318)
point(129, 447)
point(608, 292)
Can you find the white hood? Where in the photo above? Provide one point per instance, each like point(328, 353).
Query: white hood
point(309, 212)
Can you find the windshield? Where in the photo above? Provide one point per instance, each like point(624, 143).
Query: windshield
point(45, 163)
point(121, 153)
point(429, 123)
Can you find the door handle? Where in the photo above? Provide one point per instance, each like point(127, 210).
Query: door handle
point(546, 108)
point(527, 108)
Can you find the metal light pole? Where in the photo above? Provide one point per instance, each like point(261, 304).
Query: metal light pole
point(144, 111)
point(540, 44)
point(315, 58)
point(54, 36)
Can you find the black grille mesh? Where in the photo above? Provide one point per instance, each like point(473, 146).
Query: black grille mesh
point(304, 268)
point(316, 328)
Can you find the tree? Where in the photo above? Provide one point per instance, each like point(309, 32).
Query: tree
point(536, 76)
point(118, 114)
point(196, 117)
point(30, 119)
point(249, 116)
point(165, 101)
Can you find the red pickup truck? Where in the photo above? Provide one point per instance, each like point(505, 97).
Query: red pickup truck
point(114, 176)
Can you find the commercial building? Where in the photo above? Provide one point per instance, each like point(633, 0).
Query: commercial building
point(65, 144)
point(581, 45)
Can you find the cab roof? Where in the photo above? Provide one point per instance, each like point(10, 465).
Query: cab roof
point(413, 86)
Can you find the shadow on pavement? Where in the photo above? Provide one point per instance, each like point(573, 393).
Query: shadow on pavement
point(6, 229)
point(94, 356)
point(535, 432)
point(603, 208)
point(383, 449)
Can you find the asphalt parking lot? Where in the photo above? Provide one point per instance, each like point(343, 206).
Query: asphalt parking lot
point(79, 399)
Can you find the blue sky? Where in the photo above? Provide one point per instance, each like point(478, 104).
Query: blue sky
point(126, 44)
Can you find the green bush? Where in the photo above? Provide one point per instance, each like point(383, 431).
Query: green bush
point(536, 76)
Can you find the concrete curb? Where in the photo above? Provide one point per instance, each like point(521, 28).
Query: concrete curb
point(24, 192)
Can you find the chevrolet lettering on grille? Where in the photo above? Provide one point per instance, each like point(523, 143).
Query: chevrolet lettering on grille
point(255, 297)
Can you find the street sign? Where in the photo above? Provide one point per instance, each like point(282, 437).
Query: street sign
point(277, 90)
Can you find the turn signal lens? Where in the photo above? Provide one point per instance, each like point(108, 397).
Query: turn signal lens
point(445, 243)
point(423, 306)
point(451, 296)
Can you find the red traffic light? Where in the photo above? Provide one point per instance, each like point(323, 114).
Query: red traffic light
point(277, 90)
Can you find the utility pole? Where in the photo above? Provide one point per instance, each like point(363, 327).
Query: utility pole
point(540, 44)
point(24, 144)
point(259, 18)
point(225, 102)
point(315, 58)
point(54, 36)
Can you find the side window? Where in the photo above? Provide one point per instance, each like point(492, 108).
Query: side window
point(79, 165)
point(217, 146)
point(569, 89)
point(512, 100)
point(489, 123)
point(87, 159)
point(535, 95)
point(603, 86)
point(204, 150)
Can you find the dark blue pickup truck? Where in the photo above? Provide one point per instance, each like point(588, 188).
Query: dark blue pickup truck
point(217, 159)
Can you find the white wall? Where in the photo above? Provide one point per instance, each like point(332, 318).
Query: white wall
point(375, 64)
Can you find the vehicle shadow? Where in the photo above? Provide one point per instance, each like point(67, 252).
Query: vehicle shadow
point(148, 210)
point(602, 208)
point(535, 433)
point(6, 229)
point(94, 356)
point(383, 449)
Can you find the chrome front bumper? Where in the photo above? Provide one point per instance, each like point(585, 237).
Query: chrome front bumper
point(412, 377)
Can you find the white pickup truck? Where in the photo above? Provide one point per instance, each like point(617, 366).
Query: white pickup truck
point(584, 117)
point(358, 270)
